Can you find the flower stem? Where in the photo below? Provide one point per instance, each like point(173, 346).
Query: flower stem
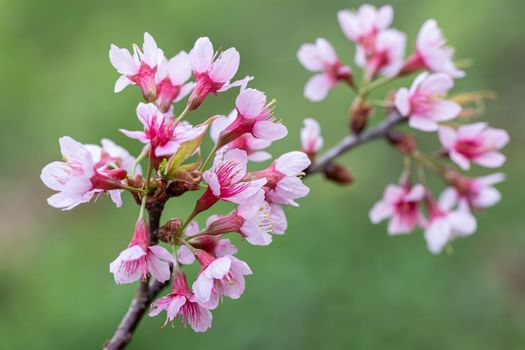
point(146, 192)
point(183, 114)
point(137, 161)
point(208, 159)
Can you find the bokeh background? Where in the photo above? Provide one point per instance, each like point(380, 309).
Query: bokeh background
point(333, 281)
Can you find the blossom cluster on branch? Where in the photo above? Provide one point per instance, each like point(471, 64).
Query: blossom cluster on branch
point(172, 147)
point(160, 252)
point(427, 107)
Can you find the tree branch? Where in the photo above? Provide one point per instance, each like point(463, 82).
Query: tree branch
point(146, 292)
point(351, 141)
point(149, 291)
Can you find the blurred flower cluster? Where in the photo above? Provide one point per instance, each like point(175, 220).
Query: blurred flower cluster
point(425, 106)
point(172, 148)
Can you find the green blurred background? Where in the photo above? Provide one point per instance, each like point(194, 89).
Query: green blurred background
point(333, 281)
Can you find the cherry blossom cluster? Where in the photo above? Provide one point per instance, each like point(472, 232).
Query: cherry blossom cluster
point(427, 107)
point(172, 148)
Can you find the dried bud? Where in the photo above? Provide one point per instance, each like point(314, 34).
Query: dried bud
point(359, 114)
point(338, 174)
point(405, 143)
point(169, 230)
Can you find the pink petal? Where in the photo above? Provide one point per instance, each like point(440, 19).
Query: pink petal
point(437, 235)
point(254, 235)
point(270, 131)
point(437, 84)
point(179, 68)
point(116, 197)
point(202, 287)
point(218, 268)
point(162, 253)
point(416, 193)
point(250, 103)
point(292, 163)
point(53, 173)
point(326, 51)
point(380, 211)
point(491, 160)
point(492, 179)
point(349, 24)
point(225, 67)
point(402, 101)
point(447, 136)
point(252, 188)
point(174, 306)
point(137, 135)
point(159, 269)
point(260, 156)
point(496, 137)
point(487, 197)
point(423, 124)
point(151, 51)
point(167, 149)
point(122, 60)
point(65, 201)
point(202, 321)
point(213, 182)
point(121, 83)
point(459, 159)
point(444, 110)
point(317, 87)
point(309, 58)
point(463, 222)
point(278, 218)
point(185, 255)
point(201, 55)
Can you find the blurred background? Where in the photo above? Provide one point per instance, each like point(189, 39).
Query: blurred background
point(334, 280)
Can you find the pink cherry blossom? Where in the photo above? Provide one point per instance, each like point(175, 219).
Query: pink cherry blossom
point(214, 245)
point(219, 277)
point(171, 80)
point(139, 68)
point(321, 57)
point(212, 71)
point(432, 52)
point(475, 192)
point(424, 103)
point(474, 142)
point(251, 219)
point(311, 139)
point(81, 176)
point(386, 56)
point(181, 302)
point(254, 117)
point(363, 26)
point(109, 159)
point(140, 258)
point(283, 184)
point(400, 204)
point(246, 142)
point(162, 134)
point(446, 224)
point(225, 180)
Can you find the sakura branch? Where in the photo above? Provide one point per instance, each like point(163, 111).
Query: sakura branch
point(172, 132)
point(425, 106)
point(159, 252)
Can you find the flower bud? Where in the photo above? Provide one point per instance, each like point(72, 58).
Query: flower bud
point(338, 174)
point(405, 143)
point(169, 230)
point(359, 114)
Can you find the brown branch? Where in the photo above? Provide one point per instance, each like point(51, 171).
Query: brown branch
point(146, 292)
point(351, 141)
point(149, 291)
